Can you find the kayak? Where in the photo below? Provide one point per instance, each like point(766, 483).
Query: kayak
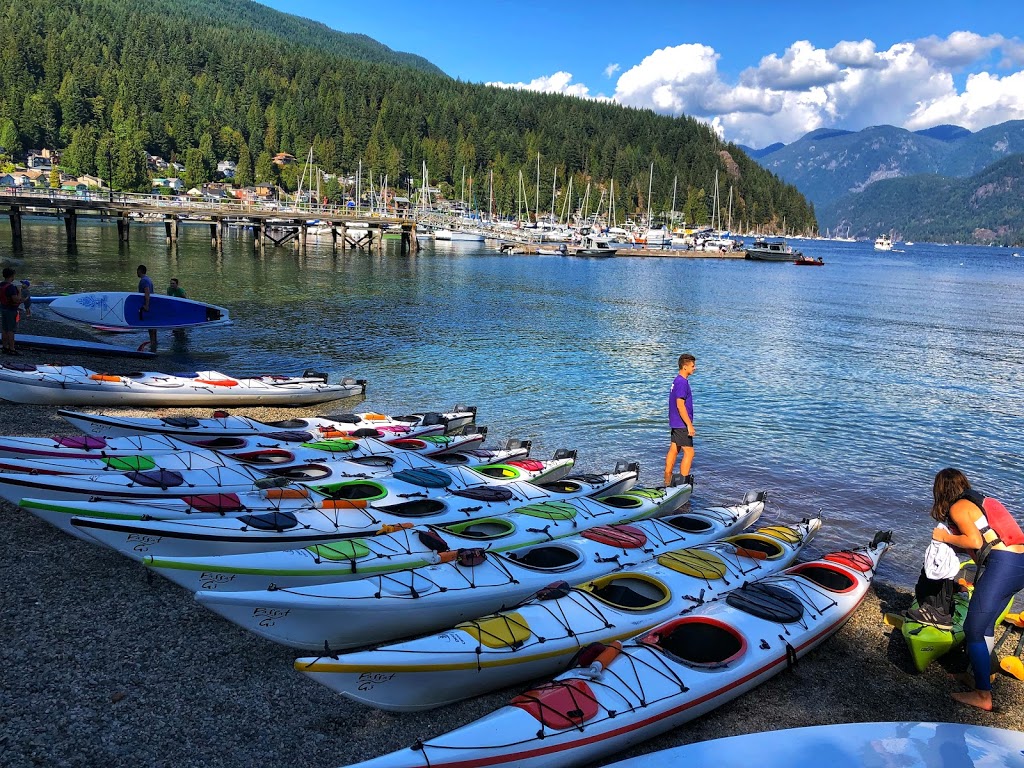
point(123, 309)
point(75, 385)
point(467, 584)
point(851, 745)
point(421, 546)
point(306, 517)
point(368, 456)
point(223, 424)
point(664, 677)
point(404, 477)
point(541, 637)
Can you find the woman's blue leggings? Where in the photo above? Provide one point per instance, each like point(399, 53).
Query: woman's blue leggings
point(1002, 578)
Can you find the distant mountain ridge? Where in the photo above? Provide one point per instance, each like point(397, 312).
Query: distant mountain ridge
point(985, 208)
point(828, 164)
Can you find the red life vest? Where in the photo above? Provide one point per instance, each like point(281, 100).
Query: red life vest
point(999, 526)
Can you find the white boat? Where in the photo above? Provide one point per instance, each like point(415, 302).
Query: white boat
point(540, 637)
point(301, 517)
point(223, 424)
point(352, 559)
point(456, 235)
point(771, 250)
point(632, 691)
point(473, 583)
point(883, 243)
point(75, 385)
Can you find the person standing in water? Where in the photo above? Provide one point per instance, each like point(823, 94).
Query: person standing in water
point(146, 289)
point(680, 421)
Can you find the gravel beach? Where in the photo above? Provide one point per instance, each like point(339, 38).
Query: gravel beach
point(103, 666)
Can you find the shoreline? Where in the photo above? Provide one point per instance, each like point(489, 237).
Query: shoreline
point(107, 667)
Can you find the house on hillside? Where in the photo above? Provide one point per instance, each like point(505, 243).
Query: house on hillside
point(156, 163)
point(226, 168)
point(283, 158)
point(42, 159)
point(171, 183)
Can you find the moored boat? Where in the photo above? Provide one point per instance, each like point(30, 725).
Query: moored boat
point(667, 676)
point(771, 250)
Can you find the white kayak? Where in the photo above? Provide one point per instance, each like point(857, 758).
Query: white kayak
point(404, 549)
point(851, 745)
point(223, 424)
point(75, 385)
point(368, 456)
point(667, 676)
point(412, 485)
point(472, 583)
point(303, 518)
point(122, 309)
point(541, 637)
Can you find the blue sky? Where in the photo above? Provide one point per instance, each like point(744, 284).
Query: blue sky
point(759, 72)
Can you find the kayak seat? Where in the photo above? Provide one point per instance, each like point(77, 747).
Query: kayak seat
point(653, 494)
point(688, 523)
point(559, 704)
point(767, 601)
point(755, 542)
point(303, 473)
point(394, 429)
point(825, 576)
point(81, 442)
point(545, 558)
point(265, 456)
point(485, 494)
point(503, 630)
point(698, 641)
point(156, 478)
point(181, 422)
point(437, 440)
point(366, 432)
point(289, 424)
point(622, 501)
point(270, 521)
point(129, 463)
point(424, 478)
point(221, 443)
point(530, 465)
point(214, 502)
point(694, 562)
point(345, 418)
point(359, 489)
point(373, 461)
point(565, 485)
point(592, 478)
point(624, 536)
point(498, 471)
point(632, 592)
point(408, 444)
point(289, 436)
point(856, 560)
point(482, 529)
point(781, 532)
point(347, 549)
point(432, 541)
point(550, 510)
point(414, 508)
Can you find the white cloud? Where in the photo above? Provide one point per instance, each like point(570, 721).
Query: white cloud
point(854, 55)
point(986, 100)
point(559, 82)
point(959, 49)
point(802, 66)
point(611, 69)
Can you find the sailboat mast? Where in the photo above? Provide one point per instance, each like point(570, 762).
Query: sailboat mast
point(672, 216)
point(650, 188)
point(536, 206)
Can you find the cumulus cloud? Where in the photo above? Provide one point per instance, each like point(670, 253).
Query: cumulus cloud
point(559, 82)
point(851, 85)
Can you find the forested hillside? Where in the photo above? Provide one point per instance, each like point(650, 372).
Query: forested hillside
point(204, 80)
point(985, 208)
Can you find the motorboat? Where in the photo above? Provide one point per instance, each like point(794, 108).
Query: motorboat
point(772, 250)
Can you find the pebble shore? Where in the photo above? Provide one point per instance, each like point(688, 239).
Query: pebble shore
point(104, 666)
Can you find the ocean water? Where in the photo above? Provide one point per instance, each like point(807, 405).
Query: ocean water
point(840, 389)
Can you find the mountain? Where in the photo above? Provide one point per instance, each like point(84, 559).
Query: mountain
point(985, 208)
point(827, 164)
point(759, 153)
point(112, 81)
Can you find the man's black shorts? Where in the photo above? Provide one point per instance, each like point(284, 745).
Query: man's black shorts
point(681, 437)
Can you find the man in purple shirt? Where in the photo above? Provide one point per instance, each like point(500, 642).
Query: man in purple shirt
point(680, 420)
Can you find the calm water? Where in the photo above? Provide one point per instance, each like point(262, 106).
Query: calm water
point(841, 389)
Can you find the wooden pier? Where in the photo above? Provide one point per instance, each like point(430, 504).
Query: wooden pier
point(271, 226)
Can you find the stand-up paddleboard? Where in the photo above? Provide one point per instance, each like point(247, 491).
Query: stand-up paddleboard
point(853, 745)
point(124, 310)
point(74, 345)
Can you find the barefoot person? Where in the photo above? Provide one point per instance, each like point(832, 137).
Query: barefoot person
point(680, 421)
point(982, 526)
point(146, 289)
